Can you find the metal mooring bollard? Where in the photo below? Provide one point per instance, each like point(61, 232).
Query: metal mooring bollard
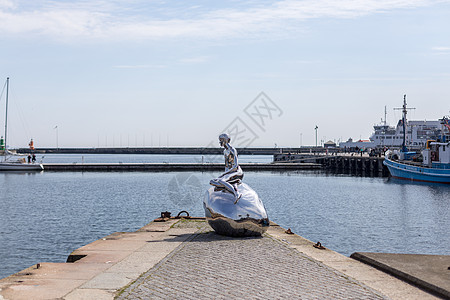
point(165, 214)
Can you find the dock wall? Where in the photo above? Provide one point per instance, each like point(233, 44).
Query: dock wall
point(357, 164)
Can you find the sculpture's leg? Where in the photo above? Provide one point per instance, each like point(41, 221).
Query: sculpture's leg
point(215, 183)
point(239, 194)
point(237, 198)
point(230, 188)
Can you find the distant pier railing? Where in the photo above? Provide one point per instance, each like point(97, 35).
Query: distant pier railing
point(175, 150)
point(162, 150)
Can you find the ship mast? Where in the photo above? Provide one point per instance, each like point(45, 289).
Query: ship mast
point(404, 111)
point(6, 117)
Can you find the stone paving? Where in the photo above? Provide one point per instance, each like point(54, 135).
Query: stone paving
point(217, 267)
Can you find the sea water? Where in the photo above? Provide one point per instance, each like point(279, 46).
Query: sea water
point(45, 216)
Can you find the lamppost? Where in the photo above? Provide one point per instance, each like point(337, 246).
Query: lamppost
point(317, 127)
point(56, 128)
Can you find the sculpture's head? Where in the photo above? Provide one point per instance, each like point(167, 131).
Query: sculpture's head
point(224, 139)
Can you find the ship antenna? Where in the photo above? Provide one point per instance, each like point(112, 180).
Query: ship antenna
point(405, 111)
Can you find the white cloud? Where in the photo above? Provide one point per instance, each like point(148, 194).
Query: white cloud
point(139, 66)
point(8, 4)
point(302, 62)
point(194, 60)
point(441, 49)
point(116, 20)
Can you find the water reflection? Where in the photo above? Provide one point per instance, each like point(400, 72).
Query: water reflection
point(437, 186)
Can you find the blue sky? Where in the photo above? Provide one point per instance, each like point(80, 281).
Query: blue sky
point(135, 73)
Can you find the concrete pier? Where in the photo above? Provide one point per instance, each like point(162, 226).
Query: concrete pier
point(184, 259)
point(430, 272)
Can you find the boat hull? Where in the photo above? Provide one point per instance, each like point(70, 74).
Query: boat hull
point(417, 173)
point(5, 166)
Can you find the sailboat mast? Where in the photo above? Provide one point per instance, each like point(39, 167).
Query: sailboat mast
point(6, 117)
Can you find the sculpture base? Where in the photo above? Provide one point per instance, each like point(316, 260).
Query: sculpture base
point(248, 217)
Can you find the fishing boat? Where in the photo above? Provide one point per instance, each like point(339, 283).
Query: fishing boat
point(432, 164)
point(435, 166)
point(9, 161)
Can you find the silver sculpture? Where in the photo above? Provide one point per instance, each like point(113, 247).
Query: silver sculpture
point(233, 173)
point(232, 207)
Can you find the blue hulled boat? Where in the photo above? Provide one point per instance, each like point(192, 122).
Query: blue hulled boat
point(434, 168)
point(433, 164)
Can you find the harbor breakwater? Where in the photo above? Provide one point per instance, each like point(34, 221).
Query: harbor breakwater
point(165, 150)
point(176, 167)
point(358, 165)
point(284, 159)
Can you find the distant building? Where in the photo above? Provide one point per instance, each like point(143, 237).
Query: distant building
point(360, 144)
point(329, 144)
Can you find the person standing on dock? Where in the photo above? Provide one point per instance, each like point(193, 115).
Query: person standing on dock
point(233, 172)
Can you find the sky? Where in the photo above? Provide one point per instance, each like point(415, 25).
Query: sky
point(178, 73)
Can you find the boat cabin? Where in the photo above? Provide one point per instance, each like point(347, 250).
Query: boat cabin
point(437, 154)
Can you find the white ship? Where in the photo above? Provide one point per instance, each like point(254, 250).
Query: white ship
point(417, 132)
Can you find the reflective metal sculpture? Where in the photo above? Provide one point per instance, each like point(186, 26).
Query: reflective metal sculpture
point(232, 207)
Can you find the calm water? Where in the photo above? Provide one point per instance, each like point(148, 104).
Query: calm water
point(45, 216)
